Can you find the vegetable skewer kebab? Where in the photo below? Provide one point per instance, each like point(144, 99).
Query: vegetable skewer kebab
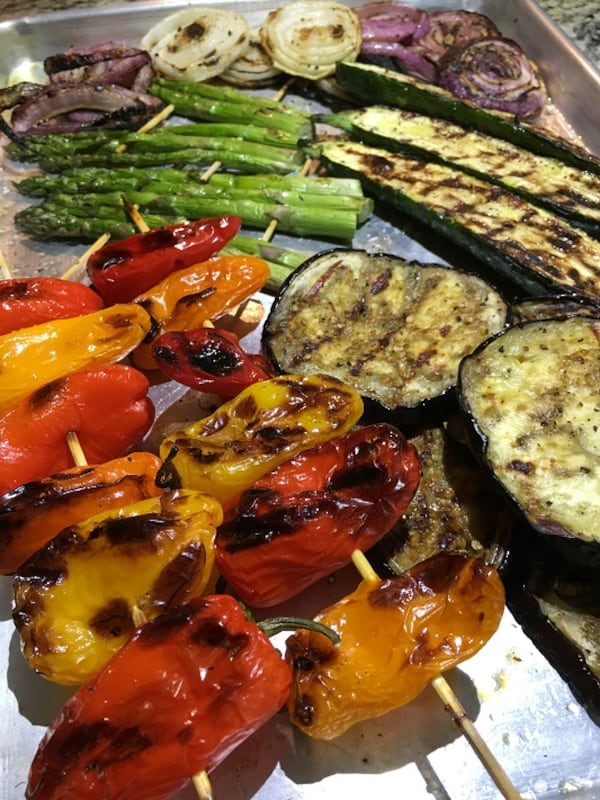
point(452, 704)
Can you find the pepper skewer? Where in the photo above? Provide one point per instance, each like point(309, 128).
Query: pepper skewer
point(79, 265)
point(453, 705)
point(201, 781)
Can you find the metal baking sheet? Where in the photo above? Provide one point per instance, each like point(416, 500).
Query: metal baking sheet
point(543, 738)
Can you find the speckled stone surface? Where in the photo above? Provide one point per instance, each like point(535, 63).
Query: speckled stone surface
point(580, 19)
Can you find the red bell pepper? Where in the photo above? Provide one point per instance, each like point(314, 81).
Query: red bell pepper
point(29, 301)
point(304, 519)
point(107, 406)
point(208, 359)
point(187, 689)
point(121, 270)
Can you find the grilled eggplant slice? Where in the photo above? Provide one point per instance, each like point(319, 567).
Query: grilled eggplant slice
point(531, 396)
point(457, 507)
point(564, 190)
point(558, 607)
point(394, 330)
point(376, 85)
point(535, 250)
point(552, 306)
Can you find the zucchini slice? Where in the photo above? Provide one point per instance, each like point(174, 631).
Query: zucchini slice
point(531, 395)
point(376, 85)
point(564, 190)
point(394, 330)
point(535, 250)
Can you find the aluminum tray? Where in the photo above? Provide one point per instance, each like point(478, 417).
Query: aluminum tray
point(542, 737)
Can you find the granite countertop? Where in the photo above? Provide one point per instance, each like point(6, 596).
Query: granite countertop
point(580, 19)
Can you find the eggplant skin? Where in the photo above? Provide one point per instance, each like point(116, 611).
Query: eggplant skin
point(557, 603)
point(394, 330)
point(551, 306)
point(531, 396)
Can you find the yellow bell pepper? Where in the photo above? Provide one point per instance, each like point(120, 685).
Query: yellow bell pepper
point(263, 426)
point(79, 599)
point(37, 355)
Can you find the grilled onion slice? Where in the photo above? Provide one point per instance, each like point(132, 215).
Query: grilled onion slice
point(254, 68)
point(196, 44)
point(308, 37)
point(494, 73)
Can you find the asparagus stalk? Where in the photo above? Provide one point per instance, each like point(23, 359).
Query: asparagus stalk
point(229, 94)
point(197, 107)
point(302, 219)
point(45, 221)
point(99, 179)
point(165, 193)
point(246, 157)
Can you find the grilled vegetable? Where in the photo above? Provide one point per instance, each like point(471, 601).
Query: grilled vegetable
point(37, 355)
point(308, 37)
point(121, 271)
point(196, 44)
point(558, 605)
point(394, 330)
point(457, 507)
point(35, 512)
point(189, 297)
point(394, 30)
point(106, 406)
point(376, 85)
point(396, 636)
point(263, 426)
point(76, 599)
point(176, 700)
point(253, 69)
point(29, 301)
point(304, 519)
point(532, 248)
point(550, 306)
point(494, 73)
point(567, 191)
point(451, 28)
point(209, 360)
point(531, 395)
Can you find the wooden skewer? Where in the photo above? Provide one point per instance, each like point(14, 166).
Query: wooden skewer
point(453, 705)
point(307, 168)
point(201, 781)
point(4, 268)
point(151, 123)
point(137, 219)
point(78, 266)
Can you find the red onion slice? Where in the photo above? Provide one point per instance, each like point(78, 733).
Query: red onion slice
point(452, 29)
point(48, 110)
point(405, 59)
point(390, 22)
point(496, 74)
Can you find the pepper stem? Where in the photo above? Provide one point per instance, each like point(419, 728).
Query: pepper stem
point(275, 625)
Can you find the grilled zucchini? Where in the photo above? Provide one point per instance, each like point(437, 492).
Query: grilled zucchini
point(394, 330)
point(535, 250)
point(376, 85)
point(531, 396)
point(564, 190)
